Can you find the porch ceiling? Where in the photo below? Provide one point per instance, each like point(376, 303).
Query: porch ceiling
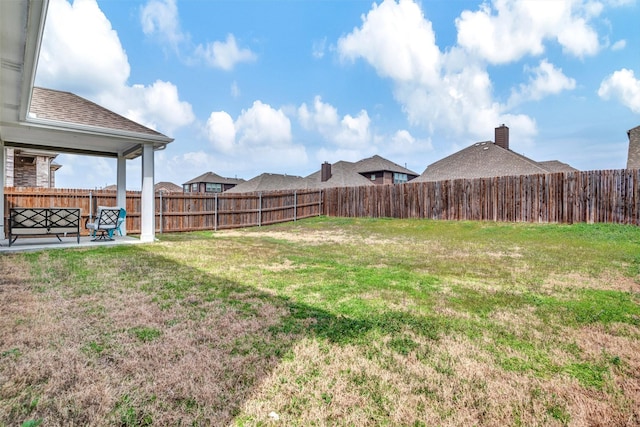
point(21, 28)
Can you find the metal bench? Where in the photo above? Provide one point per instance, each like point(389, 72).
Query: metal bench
point(43, 221)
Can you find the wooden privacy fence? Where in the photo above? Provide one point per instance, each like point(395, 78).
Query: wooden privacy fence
point(190, 212)
point(178, 211)
point(611, 196)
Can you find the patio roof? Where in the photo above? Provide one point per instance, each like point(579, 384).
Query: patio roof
point(44, 119)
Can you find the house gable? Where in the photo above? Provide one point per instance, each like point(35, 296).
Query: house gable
point(210, 182)
point(382, 171)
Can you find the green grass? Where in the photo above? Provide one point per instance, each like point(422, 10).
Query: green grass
point(334, 321)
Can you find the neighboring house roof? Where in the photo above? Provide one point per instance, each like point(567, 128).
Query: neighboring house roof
point(67, 107)
point(377, 163)
point(215, 178)
point(269, 182)
point(554, 166)
point(167, 187)
point(343, 174)
point(485, 160)
point(633, 157)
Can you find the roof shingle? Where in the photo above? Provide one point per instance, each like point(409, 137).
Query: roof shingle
point(67, 107)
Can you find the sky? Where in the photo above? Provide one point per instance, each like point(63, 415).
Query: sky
point(252, 86)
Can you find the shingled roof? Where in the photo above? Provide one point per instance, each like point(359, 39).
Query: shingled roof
point(215, 178)
point(343, 174)
point(485, 160)
point(270, 182)
point(167, 187)
point(553, 166)
point(67, 107)
point(377, 163)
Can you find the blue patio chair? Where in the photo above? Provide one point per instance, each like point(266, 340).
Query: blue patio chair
point(121, 218)
point(105, 223)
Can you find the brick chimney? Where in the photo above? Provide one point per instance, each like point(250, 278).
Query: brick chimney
point(502, 136)
point(325, 172)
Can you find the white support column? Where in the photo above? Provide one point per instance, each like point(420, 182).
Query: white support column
point(121, 185)
point(148, 209)
point(2, 179)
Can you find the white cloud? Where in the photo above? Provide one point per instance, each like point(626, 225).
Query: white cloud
point(347, 132)
point(221, 131)
point(81, 50)
point(260, 135)
point(507, 30)
point(449, 92)
point(318, 48)
point(397, 41)
point(224, 55)
point(263, 125)
point(402, 142)
point(623, 86)
point(354, 131)
point(578, 38)
point(159, 105)
point(545, 80)
point(160, 18)
point(323, 117)
point(619, 45)
point(95, 66)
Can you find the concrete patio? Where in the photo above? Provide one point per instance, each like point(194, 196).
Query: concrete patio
point(24, 244)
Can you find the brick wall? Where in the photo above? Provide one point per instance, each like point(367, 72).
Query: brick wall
point(29, 171)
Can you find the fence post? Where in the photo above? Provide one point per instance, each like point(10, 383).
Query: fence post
point(320, 203)
point(295, 205)
point(260, 209)
point(215, 213)
point(90, 206)
point(161, 210)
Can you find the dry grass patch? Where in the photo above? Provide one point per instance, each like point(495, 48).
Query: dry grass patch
point(328, 322)
point(117, 357)
point(452, 382)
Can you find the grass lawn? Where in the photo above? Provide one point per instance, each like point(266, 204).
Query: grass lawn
point(328, 321)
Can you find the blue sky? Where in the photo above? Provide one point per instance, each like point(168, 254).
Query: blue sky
point(247, 87)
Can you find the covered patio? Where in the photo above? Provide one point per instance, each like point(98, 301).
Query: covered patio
point(61, 122)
